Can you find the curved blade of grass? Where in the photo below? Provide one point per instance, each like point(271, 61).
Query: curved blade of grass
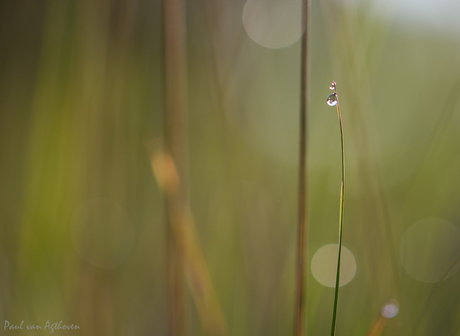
point(431, 296)
point(342, 190)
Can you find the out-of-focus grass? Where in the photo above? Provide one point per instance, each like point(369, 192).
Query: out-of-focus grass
point(81, 92)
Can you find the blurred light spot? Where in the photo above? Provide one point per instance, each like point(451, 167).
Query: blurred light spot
point(430, 250)
point(324, 265)
point(273, 23)
point(102, 232)
point(390, 309)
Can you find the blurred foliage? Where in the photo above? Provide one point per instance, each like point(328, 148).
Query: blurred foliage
point(82, 92)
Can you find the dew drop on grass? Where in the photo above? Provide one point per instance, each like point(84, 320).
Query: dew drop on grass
point(332, 99)
point(332, 87)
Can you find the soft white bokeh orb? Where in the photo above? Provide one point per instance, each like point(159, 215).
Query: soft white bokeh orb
point(390, 309)
point(324, 265)
point(430, 249)
point(102, 232)
point(273, 23)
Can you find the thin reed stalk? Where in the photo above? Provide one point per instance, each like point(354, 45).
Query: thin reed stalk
point(175, 77)
point(302, 228)
point(333, 100)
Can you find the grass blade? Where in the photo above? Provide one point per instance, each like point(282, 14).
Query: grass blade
point(333, 100)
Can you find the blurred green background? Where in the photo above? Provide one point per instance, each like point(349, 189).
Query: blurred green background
point(83, 227)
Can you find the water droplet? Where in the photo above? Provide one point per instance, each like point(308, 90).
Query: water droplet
point(332, 87)
point(332, 99)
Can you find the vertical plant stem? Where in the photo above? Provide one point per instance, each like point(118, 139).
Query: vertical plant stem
point(302, 228)
point(342, 190)
point(175, 76)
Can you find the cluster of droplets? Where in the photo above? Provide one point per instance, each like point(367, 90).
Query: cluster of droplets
point(332, 98)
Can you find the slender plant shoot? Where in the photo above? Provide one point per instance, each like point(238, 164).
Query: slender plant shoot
point(302, 225)
point(333, 100)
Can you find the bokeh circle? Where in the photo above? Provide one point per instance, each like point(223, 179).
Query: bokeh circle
point(324, 265)
point(390, 309)
point(273, 23)
point(430, 250)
